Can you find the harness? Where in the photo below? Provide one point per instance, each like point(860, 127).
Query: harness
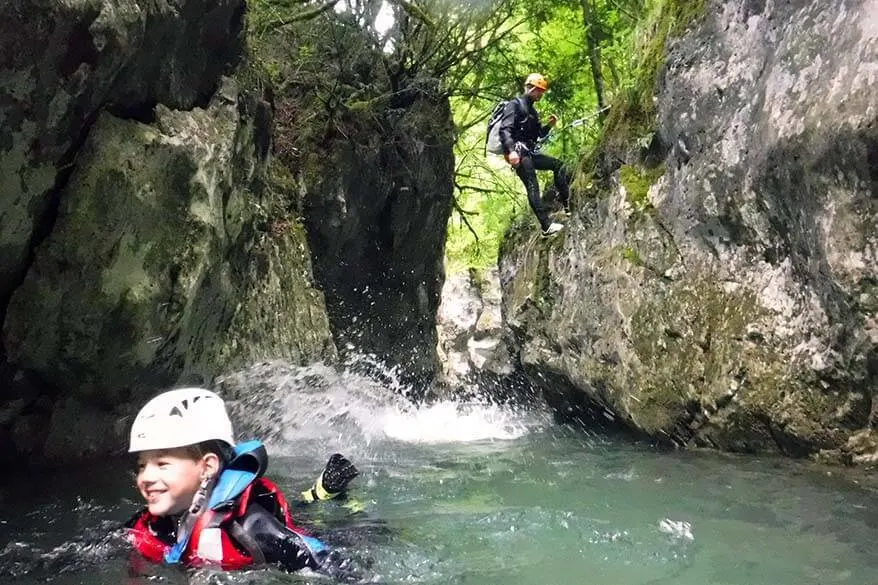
point(216, 537)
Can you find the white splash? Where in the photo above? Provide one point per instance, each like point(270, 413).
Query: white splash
point(452, 422)
point(678, 529)
point(297, 408)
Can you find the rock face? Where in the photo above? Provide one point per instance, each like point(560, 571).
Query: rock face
point(141, 241)
point(62, 63)
point(727, 296)
point(376, 224)
point(370, 142)
point(472, 344)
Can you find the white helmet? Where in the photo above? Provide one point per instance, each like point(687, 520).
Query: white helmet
point(179, 418)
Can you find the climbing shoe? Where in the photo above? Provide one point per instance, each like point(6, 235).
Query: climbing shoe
point(334, 479)
point(554, 228)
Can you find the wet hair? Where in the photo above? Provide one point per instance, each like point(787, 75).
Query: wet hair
point(219, 448)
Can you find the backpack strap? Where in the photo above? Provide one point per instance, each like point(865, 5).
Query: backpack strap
point(248, 465)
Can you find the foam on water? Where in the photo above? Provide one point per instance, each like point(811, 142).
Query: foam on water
point(454, 422)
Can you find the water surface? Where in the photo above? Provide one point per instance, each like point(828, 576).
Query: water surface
point(475, 494)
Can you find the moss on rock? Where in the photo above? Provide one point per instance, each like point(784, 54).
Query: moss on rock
point(165, 263)
point(720, 289)
point(637, 182)
point(688, 344)
point(632, 117)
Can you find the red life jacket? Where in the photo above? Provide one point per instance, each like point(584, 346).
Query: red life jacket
point(210, 542)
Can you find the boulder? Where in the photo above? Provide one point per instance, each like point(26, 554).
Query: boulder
point(376, 225)
point(472, 341)
point(143, 240)
point(62, 63)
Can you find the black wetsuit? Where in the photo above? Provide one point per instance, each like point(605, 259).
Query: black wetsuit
point(520, 129)
point(264, 537)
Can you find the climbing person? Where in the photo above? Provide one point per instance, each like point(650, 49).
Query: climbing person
point(207, 501)
point(520, 130)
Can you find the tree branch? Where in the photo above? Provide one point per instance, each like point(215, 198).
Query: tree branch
point(303, 16)
point(463, 215)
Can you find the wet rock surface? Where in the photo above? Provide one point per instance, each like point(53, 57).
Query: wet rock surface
point(140, 243)
point(62, 64)
point(377, 232)
point(472, 339)
point(725, 295)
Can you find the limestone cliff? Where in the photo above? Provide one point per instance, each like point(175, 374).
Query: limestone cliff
point(719, 289)
point(141, 241)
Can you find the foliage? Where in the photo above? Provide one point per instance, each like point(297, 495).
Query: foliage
point(632, 116)
point(336, 64)
point(339, 73)
point(549, 37)
point(488, 198)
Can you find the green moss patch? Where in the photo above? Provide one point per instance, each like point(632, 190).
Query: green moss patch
point(637, 182)
point(631, 120)
point(689, 346)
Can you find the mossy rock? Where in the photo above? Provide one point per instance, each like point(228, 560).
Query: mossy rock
point(637, 182)
point(160, 267)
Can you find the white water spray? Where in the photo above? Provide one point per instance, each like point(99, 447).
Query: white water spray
point(296, 408)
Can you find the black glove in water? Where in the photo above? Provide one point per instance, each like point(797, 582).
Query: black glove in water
point(338, 473)
point(336, 476)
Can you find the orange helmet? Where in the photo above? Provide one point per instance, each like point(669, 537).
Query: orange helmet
point(537, 80)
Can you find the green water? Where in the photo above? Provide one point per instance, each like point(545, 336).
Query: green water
point(541, 506)
point(548, 510)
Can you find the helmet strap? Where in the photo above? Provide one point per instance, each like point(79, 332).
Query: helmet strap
point(200, 498)
point(187, 521)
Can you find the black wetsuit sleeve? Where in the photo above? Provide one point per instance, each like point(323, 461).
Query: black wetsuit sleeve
point(507, 125)
point(278, 544)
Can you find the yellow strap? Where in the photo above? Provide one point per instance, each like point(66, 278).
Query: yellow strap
point(318, 492)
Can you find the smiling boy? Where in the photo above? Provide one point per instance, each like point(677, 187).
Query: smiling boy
point(207, 501)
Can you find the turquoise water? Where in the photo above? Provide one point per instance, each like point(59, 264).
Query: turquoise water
point(478, 495)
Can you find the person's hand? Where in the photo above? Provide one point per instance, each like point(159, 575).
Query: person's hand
point(513, 158)
point(334, 479)
point(553, 119)
point(338, 473)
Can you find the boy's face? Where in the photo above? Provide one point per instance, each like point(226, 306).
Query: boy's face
point(168, 479)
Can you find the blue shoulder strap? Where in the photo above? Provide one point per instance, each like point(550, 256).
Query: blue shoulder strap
point(248, 464)
point(315, 545)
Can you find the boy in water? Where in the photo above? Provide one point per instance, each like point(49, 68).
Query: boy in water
point(207, 502)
